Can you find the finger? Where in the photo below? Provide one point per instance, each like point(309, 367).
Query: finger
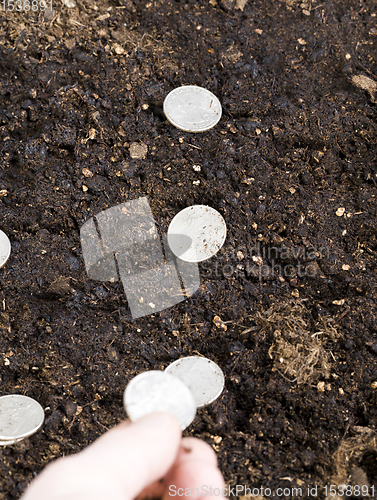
point(195, 449)
point(198, 450)
point(194, 473)
point(119, 465)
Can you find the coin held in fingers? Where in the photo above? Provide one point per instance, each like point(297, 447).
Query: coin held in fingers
point(155, 391)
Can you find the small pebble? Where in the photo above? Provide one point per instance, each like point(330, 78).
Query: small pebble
point(87, 172)
point(338, 302)
point(321, 386)
point(138, 150)
point(219, 323)
point(340, 211)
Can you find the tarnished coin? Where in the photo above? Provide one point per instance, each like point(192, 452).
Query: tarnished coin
point(4, 248)
point(196, 233)
point(20, 417)
point(202, 376)
point(159, 391)
point(192, 108)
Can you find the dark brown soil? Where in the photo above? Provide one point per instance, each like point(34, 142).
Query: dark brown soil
point(296, 143)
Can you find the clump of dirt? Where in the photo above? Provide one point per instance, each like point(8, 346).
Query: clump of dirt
point(299, 351)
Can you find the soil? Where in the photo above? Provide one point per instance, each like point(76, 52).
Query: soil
point(292, 168)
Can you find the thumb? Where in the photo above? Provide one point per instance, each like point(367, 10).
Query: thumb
point(118, 466)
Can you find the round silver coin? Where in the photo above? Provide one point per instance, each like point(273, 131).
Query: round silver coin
point(196, 233)
point(202, 376)
point(159, 391)
point(20, 417)
point(192, 108)
point(4, 248)
point(9, 442)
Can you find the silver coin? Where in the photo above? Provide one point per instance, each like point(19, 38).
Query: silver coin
point(192, 108)
point(20, 417)
point(159, 391)
point(4, 248)
point(202, 376)
point(9, 442)
point(196, 233)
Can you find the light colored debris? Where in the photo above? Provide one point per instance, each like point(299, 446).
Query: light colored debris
point(231, 55)
point(219, 323)
point(118, 49)
point(248, 181)
point(138, 150)
point(347, 458)
point(240, 4)
point(366, 83)
point(340, 211)
point(71, 4)
point(257, 259)
point(87, 173)
point(297, 354)
point(338, 302)
point(321, 386)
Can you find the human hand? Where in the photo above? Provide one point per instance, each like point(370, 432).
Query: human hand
point(144, 459)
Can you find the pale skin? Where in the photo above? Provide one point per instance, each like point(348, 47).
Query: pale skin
point(144, 459)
